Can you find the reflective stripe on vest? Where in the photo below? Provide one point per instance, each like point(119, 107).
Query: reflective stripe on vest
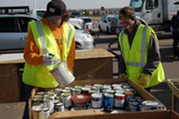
point(34, 74)
point(44, 48)
point(135, 63)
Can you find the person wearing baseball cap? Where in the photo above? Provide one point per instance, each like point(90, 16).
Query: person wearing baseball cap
point(140, 60)
point(49, 42)
point(55, 10)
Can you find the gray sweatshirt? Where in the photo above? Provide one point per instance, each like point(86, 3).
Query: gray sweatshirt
point(153, 52)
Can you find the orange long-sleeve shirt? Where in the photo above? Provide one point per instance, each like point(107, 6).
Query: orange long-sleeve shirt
point(31, 51)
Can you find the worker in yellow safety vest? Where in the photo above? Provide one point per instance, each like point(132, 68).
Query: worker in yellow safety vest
point(140, 57)
point(49, 41)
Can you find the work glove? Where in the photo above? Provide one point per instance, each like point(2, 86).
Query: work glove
point(47, 58)
point(143, 80)
point(123, 75)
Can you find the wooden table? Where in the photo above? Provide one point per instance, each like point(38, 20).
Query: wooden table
point(89, 64)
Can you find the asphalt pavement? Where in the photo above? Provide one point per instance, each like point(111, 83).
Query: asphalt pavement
point(171, 66)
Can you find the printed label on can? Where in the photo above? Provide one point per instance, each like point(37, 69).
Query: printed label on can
point(96, 100)
point(119, 100)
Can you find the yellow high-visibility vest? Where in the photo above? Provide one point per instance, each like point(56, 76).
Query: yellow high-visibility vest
point(135, 57)
point(39, 75)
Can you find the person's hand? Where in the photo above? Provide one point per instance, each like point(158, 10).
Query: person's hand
point(122, 75)
point(143, 80)
point(47, 58)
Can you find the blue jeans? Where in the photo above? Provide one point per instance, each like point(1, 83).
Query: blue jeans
point(28, 90)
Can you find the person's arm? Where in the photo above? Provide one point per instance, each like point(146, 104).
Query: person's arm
point(71, 56)
point(153, 56)
point(31, 51)
point(122, 66)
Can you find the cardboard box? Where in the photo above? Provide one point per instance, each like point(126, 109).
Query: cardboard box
point(76, 113)
point(142, 92)
point(174, 86)
point(162, 114)
point(93, 64)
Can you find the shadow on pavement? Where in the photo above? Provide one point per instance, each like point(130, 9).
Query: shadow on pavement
point(163, 93)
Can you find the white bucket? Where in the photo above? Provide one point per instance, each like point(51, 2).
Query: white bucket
point(62, 75)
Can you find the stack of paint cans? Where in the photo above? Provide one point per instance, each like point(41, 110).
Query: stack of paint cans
point(108, 98)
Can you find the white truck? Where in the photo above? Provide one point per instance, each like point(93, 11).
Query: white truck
point(156, 13)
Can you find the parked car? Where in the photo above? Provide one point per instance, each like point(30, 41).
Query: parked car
point(13, 32)
point(108, 23)
point(75, 14)
point(88, 24)
point(83, 38)
point(79, 23)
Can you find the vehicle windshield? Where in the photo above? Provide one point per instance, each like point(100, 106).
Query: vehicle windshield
point(113, 20)
point(136, 4)
point(87, 20)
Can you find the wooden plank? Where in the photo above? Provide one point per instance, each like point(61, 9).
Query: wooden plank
point(93, 68)
point(12, 110)
point(10, 83)
point(93, 53)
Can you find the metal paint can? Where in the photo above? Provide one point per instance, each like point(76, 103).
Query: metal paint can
point(99, 86)
point(85, 90)
point(107, 86)
point(40, 93)
point(69, 88)
point(37, 99)
point(134, 106)
point(97, 100)
point(66, 99)
point(60, 107)
point(58, 91)
point(49, 97)
point(119, 91)
point(151, 105)
point(66, 91)
point(38, 112)
point(49, 103)
point(128, 95)
point(108, 101)
point(93, 91)
point(119, 111)
point(119, 100)
point(46, 112)
point(116, 87)
point(38, 96)
point(76, 91)
point(130, 103)
point(110, 91)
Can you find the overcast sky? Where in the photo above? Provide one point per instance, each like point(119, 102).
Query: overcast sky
point(71, 4)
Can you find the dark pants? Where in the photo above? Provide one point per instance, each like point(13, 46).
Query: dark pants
point(175, 44)
point(28, 90)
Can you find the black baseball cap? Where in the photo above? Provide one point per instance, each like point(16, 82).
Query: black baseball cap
point(55, 9)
